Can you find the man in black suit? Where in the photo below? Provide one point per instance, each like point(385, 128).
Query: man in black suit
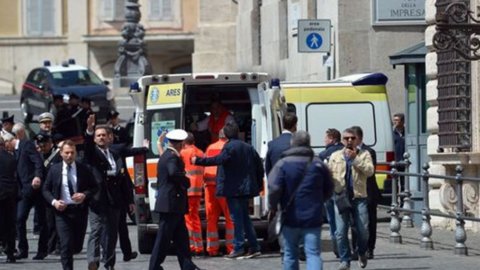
point(8, 201)
point(29, 175)
point(275, 149)
point(172, 205)
point(68, 187)
point(278, 145)
point(105, 205)
point(373, 198)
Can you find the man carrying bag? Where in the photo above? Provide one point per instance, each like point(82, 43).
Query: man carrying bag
point(301, 183)
point(350, 169)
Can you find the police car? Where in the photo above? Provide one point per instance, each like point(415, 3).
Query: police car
point(44, 83)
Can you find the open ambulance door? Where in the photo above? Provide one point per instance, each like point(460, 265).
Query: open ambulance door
point(158, 107)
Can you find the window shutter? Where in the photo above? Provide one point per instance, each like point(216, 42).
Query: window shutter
point(154, 12)
point(120, 10)
point(167, 12)
point(47, 15)
point(32, 17)
point(108, 10)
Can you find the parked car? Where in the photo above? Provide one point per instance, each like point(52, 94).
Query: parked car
point(43, 83)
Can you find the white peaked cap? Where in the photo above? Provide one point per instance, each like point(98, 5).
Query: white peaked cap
point(177, 135)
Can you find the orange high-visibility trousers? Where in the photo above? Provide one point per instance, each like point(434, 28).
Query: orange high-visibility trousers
point(192, 220)
point(215, 206)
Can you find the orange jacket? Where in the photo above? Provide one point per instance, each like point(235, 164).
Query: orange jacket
point(194, 173)
point(215, 125)
point(210, 172)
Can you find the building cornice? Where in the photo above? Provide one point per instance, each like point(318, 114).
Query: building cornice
point(30, 41)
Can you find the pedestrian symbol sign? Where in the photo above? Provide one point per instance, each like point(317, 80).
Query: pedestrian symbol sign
point(313, 35)
point(314, 41)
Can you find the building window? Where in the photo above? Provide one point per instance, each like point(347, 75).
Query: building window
point(112, 10)
point(40, 17)
point(161, 10)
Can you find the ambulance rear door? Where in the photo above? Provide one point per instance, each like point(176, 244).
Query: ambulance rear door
point(163, 113)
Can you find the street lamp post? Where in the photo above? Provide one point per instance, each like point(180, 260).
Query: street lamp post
point(132, 62)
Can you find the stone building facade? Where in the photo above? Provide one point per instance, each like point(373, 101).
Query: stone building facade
point(32, 31)
point(445, 159)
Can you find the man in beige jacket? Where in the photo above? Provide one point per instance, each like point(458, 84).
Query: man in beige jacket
point(350, 169)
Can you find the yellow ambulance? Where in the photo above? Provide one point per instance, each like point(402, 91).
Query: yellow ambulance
point(359, 99)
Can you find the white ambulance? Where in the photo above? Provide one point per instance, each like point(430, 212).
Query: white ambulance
point(175, 101)
point(354, 100)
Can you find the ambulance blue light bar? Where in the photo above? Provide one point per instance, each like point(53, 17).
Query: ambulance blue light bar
point(371, 79)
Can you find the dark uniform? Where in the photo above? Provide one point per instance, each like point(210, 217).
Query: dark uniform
point(49, 158)
point(172, 205)
point(107, 202)
point(8, 202)
point(29, 165)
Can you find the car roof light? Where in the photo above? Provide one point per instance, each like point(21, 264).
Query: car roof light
point(71, 61)
point(275, 83)
point(46, 63)
point(64, 64)
point(135, 87)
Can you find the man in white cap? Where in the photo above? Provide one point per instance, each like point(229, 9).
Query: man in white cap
point(45, 121)
point(172, 205)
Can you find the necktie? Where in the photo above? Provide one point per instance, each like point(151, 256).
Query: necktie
point(70, 179)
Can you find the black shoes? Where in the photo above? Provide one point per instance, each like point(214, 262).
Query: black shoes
point(370, 255)
point(11, 260)
point(132, 256)
point(21, 255)
point(40, 256)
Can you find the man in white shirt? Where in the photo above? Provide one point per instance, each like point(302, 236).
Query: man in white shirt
point(68, 187)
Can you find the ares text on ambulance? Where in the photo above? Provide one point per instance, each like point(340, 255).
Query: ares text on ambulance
point(354, 100)
point(177, 100)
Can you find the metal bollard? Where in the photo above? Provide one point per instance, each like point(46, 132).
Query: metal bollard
point(395, 225)
point(460, 233)
point(407, 203)
point(426, 229)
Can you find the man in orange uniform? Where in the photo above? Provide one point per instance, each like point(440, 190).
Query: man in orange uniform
point(219, 116)
point(216, 205)
point(195, 174)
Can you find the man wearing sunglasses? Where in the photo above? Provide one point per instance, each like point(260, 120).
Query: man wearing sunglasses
point(350, 169)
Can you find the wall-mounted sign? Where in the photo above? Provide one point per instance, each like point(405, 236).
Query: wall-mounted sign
point(398, 12)
point(313, 36)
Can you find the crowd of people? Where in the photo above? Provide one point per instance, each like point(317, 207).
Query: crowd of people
point(67, 191)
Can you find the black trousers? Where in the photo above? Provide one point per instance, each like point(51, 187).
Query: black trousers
point(110, 235)
point(23, 210)
point(171, 227)
point(51, 229)
point(71, 227)
point(8, 207)
point(125, 244)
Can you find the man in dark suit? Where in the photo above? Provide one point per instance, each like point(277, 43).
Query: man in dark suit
point(29, 174)
point(105, 205)
point(374, 197)
point(278, 145)
point(172, 205)
point(68, 187)
point(8, 201)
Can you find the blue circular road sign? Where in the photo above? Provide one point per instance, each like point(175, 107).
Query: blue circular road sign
point(314, 41)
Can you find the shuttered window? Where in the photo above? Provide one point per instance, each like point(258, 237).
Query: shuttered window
point(112, 10)
point(161, 10)
point(40, 17)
